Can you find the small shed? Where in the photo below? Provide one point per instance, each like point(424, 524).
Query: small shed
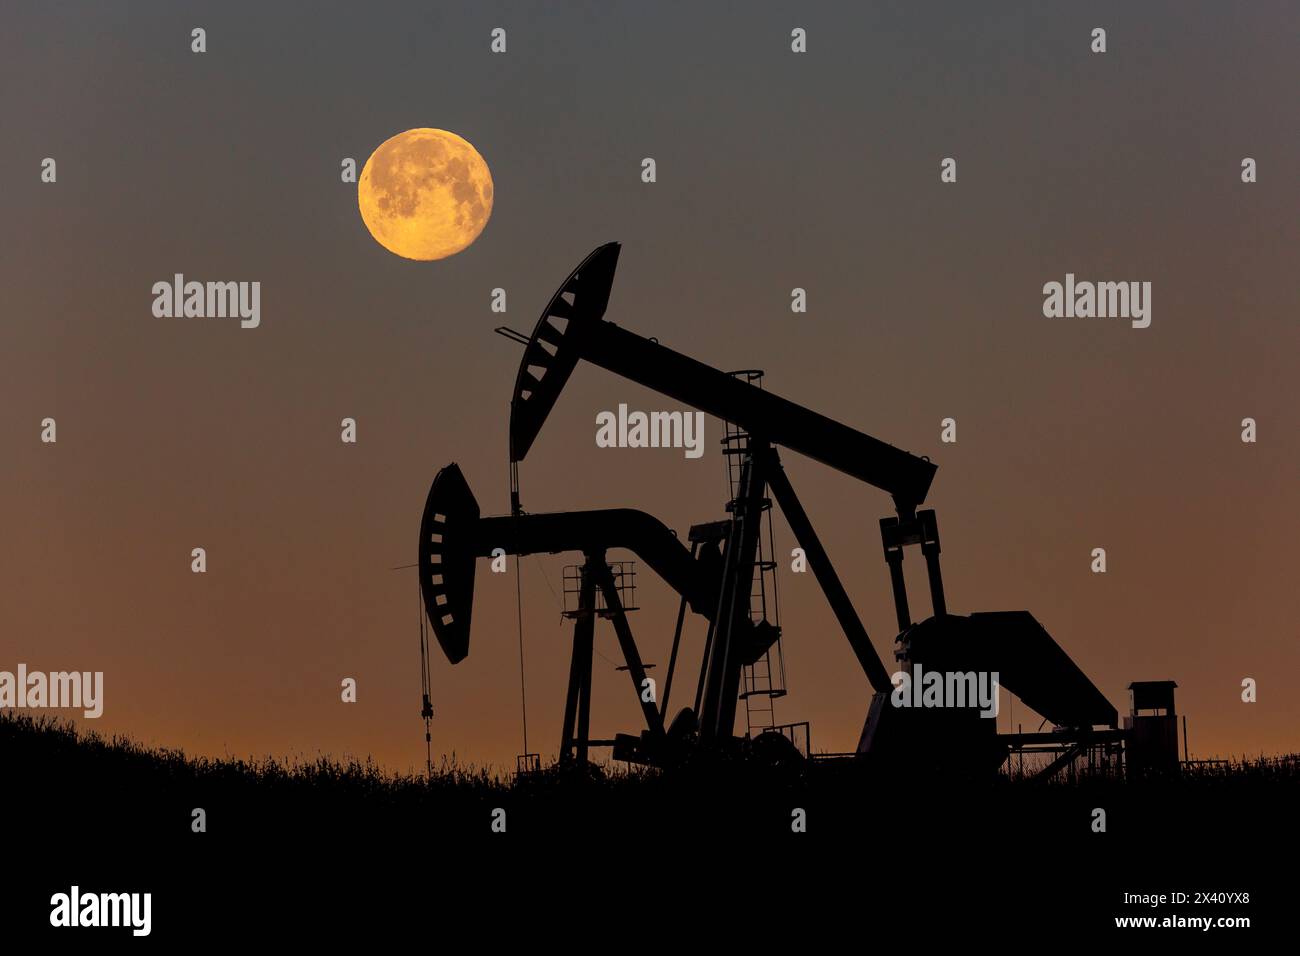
point(1152, 727)
point(1157, 695)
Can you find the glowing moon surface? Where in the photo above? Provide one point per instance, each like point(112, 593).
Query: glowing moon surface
point(425, 194)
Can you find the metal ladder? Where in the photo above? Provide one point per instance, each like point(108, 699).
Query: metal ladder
point(762, 682)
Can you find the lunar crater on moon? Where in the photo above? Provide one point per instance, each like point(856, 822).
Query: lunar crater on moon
point(425, 194)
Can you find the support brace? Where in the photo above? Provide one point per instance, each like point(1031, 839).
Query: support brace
point(824, 571)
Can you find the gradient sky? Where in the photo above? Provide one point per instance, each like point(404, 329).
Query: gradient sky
point(774, 171)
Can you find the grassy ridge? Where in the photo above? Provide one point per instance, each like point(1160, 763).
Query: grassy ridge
point(55, 770)
point(319, 847)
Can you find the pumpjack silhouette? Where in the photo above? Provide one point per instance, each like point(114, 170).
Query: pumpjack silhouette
point(715, 576)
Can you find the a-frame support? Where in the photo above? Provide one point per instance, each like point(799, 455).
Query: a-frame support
point(732, 622)
point(577, 704)
point(576, 733)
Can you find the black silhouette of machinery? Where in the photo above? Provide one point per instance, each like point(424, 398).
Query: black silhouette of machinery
point(715, 576)
point(453, 536)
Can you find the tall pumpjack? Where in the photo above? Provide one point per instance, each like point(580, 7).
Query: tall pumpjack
point(1013, 644)
point(572, 328)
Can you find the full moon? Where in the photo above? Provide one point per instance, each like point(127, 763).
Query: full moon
point(425, 194)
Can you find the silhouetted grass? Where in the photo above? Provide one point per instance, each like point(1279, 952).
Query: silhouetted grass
point(56, 771)
point(1236, 771)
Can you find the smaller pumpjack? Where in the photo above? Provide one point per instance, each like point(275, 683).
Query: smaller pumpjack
point(715, 578)
point(453, 536)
